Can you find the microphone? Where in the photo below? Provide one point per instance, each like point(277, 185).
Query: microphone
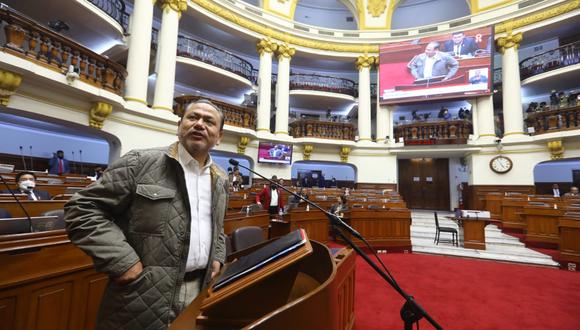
point(81, 160)
point(18, 202)
point(74, 165)
point(334, 219)
point(31, 167)
point(22, 158)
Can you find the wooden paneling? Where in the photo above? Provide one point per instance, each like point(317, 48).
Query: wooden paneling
point(34, 208)
point(364, 185)
point(477, 193)
point(314, 222)
point(235, 221)
point(7, 313)
point(50, 307)
point(424, 183)
point(542, 224)
point(512, 208)
point(570, 238)
point(383, 228)
point(345, 284)
point(474, 234)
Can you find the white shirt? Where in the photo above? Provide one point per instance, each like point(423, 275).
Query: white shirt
point(428, 69)
point(274, 197)
point(457, 49)
point(198, 184)
point(556, 192)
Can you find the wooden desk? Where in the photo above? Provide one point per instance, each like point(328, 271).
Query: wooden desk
point(34, 208)
point(52, 189)
point(474, 231)
point(238, 220)
point(569, 225)
point(493, 203)
point(542, 224)
point(511, 208)
point(47, 283)
point(383, 227)
point(314, 222)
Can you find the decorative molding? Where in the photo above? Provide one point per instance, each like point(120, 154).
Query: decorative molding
point(307, 151)
point(508, 26)
point(242, 144)
point(289, 15)
point(344, 152)
point(160, 107)
point(283, 36)
point(9, 83)
point(98, 113)
point(266, 45)
point(177, 5)
point(133, 99)
point(512, 40)
point(556, 149)
point(284, 50)
point(376, 7)
point(366, 61)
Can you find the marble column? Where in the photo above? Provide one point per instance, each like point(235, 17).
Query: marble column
point(265, 48)
point(139, 52)
point(364, 64)
point(485, 120)
point(285, 54)
point(513, 115)
point(167, 53)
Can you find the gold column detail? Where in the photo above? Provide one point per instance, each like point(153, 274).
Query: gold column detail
point(366, 61)
point(307, 151)
point(284, 50)
point(242, 144)
point(178, 5)
point(266, 46)
point(546, 14)
point(9, 83)
point(376, 7)
point(99, 112)
point(556, 149)
point(512, 40)
point(344, 152)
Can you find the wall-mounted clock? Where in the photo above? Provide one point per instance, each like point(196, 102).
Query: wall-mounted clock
point(501, 164)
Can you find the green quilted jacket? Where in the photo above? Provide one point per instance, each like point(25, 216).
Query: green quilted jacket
point(140, 210)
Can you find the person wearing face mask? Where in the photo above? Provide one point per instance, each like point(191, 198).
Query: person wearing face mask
point(58, 164)
point(27, 184)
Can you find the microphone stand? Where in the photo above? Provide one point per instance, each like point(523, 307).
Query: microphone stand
point(31, 167)
point(22, 158)
point(18, 202)
point(81, 160)
point(411, 312)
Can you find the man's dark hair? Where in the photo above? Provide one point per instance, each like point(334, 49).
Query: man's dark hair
point(206, 101)
point(59, 151)
point(458, 32)
point(20, 174)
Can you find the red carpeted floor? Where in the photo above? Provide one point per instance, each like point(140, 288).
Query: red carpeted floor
point(469, 294)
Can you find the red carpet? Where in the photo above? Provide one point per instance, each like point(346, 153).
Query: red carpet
point(469, 294)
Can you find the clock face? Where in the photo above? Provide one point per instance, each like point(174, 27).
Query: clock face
point(501, 164)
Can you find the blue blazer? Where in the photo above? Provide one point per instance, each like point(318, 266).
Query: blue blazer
point(53, 166)
point(468, 46)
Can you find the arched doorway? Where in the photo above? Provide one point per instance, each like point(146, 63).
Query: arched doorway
point(564, 172)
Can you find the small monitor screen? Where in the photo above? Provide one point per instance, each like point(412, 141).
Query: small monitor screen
point(444, 66)
point(274, 153)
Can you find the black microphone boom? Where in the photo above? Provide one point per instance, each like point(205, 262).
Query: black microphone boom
point(18, 202)
point(411, 312)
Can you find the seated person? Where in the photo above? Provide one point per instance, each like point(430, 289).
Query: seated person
point(460, 45)
point(340, 206)
point(236, 179)
point(573, 192)
point(297, 200)
point(5, 214)
point(26, 184)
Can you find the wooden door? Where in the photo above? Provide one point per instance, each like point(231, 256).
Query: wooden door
point(424, 183)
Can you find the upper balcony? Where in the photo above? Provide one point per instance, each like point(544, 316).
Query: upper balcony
point(434, 132)
point(558, 119)
point(234, 115)
point(320, 92)
point(30, 41)
point(555, 59)
point(307, 128)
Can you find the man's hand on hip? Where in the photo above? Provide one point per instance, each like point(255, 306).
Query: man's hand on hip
point(215, 268)
point(130, 275)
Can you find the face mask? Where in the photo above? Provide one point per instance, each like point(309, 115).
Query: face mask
point(27, 185)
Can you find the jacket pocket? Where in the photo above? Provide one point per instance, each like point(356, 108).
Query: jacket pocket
point(151, 209)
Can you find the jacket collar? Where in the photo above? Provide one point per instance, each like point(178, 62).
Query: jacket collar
point(216, 171)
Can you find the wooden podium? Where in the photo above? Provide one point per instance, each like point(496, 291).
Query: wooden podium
point(307, 289)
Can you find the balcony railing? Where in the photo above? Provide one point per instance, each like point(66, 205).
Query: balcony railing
point(115, 9)
point(551, 60)
point(322, 83)
point(201, 51)
point(322, 129)
point(34, 42)
point(497, 79)
point(435, 132)
point(554, 120)
point(233, 115)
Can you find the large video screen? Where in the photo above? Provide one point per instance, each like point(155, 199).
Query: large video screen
point(450, 65)
point(274, 153)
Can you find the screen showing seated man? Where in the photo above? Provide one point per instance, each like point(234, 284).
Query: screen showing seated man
point(445, 66)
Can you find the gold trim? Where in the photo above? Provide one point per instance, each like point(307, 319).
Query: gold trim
point(160, 107)
point(136, 124)
point(343, 153)
point(480, 135)
point(283, 36)
point(376, 7)
point(98, 113)
point(289, 16)
point(266, 45)
point(366, 61)
point(485, 153)
point(179, 6)
point(514, 133)
point(284, 50)
point(511, 40)
point(135, 100)
point(307, 151)
point(9, 83)
point(262, 130)
point(474, 6)
point(537, 17)
point(281, 132)
point(364, 139)
point(392, 4)
point(242, 144)
point(556, 149)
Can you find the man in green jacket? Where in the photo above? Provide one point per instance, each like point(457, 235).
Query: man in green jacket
point(154, 224)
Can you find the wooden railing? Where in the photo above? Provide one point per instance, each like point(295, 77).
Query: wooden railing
point(322, 129)
point(233, 115)
point(551, 60)
point(115, 9)
point(322, 83)
point(34, 42)
point(436, 132)
point(554, 120)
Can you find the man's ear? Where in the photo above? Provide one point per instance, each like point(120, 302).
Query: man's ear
point(220, 138)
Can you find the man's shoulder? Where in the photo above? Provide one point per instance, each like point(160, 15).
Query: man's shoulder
point(219, 171)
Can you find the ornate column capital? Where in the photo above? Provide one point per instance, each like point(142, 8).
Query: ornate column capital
point(344, 152)
point(98, 113)
point(284, 50)
point(9, 83)
point(177, 5)
point(242, 144)
point(307, 151)
point(512, 40)
point(266, 46)
point(366, 61)
point(556, 149)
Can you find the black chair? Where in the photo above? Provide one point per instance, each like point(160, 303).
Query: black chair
point(439, 230)
point(245, 237)
point(5, 214)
